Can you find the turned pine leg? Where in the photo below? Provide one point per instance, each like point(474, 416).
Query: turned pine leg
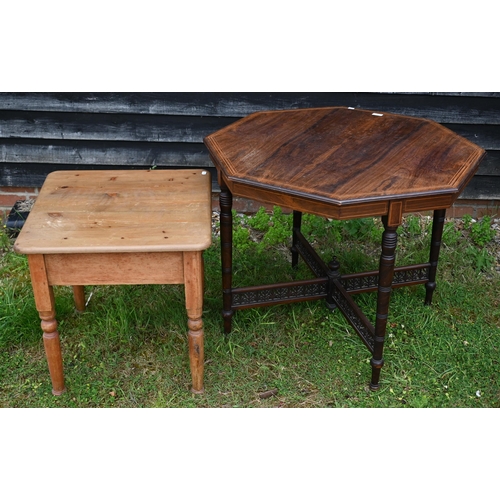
point(79, 296)
point(297, 222)
point(193, 283)
point(44, 300)
point(386, 273)
point(226, 238)
point(437, 234)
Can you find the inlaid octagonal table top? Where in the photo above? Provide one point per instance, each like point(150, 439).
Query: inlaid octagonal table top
point(343, 162)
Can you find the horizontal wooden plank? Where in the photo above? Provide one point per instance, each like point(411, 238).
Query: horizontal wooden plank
point(442, 108)
point(482, 187)
point(103, 153)
point(490, 164)
point(34, 174)
point(159, 128)
point(108, 127)
point(127, 153)
point(467, 94)
point(486, 136)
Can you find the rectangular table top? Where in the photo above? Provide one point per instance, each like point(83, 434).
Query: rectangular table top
point(104, 211)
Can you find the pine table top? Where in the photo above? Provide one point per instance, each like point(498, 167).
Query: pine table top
point(104, 211)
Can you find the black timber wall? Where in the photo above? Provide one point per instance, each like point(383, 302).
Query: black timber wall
point(43, 132)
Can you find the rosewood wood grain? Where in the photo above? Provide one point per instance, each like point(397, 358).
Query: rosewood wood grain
point(341, 163)
point(118, 228)
point(343, 157)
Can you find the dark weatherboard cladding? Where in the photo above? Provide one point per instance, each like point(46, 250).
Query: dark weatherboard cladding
point(44, 132)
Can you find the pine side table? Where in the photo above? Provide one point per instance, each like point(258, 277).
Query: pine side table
point(341, 163)
point(118, 227)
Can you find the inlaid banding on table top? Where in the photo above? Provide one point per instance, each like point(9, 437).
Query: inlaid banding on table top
point(344, 155)
point(121, 210)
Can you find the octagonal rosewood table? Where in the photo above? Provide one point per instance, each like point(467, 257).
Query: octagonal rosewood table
point(341, 163)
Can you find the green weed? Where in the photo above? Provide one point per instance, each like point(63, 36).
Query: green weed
point(480, 258)
point(481, 232)
point(275, 228)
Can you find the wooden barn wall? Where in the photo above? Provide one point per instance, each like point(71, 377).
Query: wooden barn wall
point(43, 132)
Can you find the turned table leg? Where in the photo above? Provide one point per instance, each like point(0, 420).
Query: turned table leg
point(193, 283)
point(437, 234)
point(79, 296)
point(226, 238)
point(45, 304)
point(297, 223)
point(386, 273)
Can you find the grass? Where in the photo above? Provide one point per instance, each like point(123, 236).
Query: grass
point(129, 348)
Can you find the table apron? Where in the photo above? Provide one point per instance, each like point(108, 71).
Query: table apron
point(411, 203)
point(115, 268)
